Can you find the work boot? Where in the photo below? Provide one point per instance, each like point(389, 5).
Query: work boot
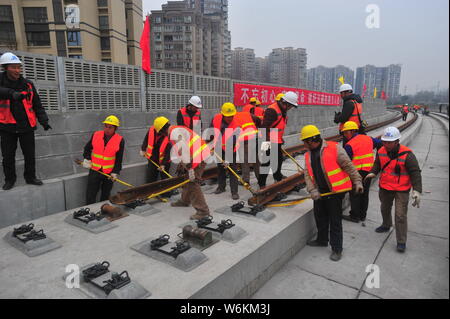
point(282, 177)
point(315, 243)
point(401, 247)
point(350, 218)
point(363, 219)
point(235, 196)
point(382, 229)
point(34, 181)
point(8, 185)
point(335, 256)
point(196, 216)
point(179, 203)
point(219, 190)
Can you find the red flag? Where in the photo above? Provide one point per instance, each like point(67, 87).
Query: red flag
point(364, 90)
point(145, 46)
point(383, 95)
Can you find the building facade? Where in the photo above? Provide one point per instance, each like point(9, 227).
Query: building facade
point(243, 64)
point(327, 79)
point(385, 79)
point(108, 30)
point(288, 67)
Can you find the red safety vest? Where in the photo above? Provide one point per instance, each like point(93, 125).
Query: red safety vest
point(103, 157)
point(151, 142)
point(242, 120)
point(198, 149)
point(279, 124)
point(248, 108)
point(337, 179)
point(6, 116)
point(394, 177)
point(187, 119)
point(357, 109)
point(363, 156)
point(405, 109)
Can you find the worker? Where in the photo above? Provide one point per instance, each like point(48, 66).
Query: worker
point(20, 109)
point(352, 109)
point(328, 171)
point(400, 171)
point(156, 148)
point(274, 122)
point(190, 115)
point(192, 153)
point(360, 150)
point(250, 105)
point(255, 109)
point(405, 112)
point(103, 153)
point(416, 108)
point(236, 129)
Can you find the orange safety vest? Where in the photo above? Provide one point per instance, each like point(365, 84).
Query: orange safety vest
point(187, 119)
point(394, 177)
point(279, 124)
point(363, 156)
point(248, 108)
point(6, 116)
point(405, 109)
point(259, 112)
point(357, 109)
point(151, 142)
point(198, 149)
point(103, 157)
point(242, 120)
point(337, 179)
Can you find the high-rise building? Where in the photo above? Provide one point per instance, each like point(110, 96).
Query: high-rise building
point(190, 36)
point(288, 67)
point(327, 79)
point(262, 70)
point(341, 71)
point(243, 64)
point(385, 79)
point(108, 30)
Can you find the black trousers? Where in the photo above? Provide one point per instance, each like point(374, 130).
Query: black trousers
point(153, 173)
point(328, 215)
point(404, 116)
point(222, 176)
point(276, 167)
point(97, 181)
point(9, 147)
point(360, 202)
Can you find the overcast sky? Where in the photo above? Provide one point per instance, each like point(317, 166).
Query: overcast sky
point(413, 33)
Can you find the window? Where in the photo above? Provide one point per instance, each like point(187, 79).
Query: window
point(73, 38)
point(102, 3)
point(105, 43)
point(157, 19)
point(75, 56)
point(103, 22)
point(106, 60)
point(36, 26)
point(7, 33)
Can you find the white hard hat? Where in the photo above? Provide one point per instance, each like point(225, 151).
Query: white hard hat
point(9, 58)
point(291, 98)
point(345, 87)
point(196, 101)
point(391, 134)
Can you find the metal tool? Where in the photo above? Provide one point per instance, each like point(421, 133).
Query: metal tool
point(159, 167)
point(292, 158)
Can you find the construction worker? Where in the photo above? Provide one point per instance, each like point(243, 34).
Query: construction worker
point(351, 110)
point(405, 112)
point(103, 153)
point(156, 148)
point(250, 105)
point(193, 152)
point(274, 123)
point(235, 129)
point(190, 115)
point(328, 171)
point(255, 109)
point(360, 150)
point(400, 171)
point(20, 109)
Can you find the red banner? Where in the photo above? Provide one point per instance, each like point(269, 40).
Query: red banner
point(145, 46)
point(267, 94)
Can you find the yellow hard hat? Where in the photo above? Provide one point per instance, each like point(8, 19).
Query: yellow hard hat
point(279, 96)
point(258, 102)
point(160, 122)
point(309, 131)
point(253, 100)
point(113, 120)
point(350, 125)
point(228, 109)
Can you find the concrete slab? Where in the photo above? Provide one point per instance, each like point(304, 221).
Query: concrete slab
point(32, 248)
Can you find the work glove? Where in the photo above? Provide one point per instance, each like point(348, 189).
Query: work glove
point(359, 189)
point(226, 164)
point(416, 199)
point(114, 176)
point(142, 153)
point(368, 177)
point(337, 116)
point(87, 164)
point(161, 168)
point(46, 127)
point(191, 175)
point(18, 96)
point(265, 146)
point(315, 195)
